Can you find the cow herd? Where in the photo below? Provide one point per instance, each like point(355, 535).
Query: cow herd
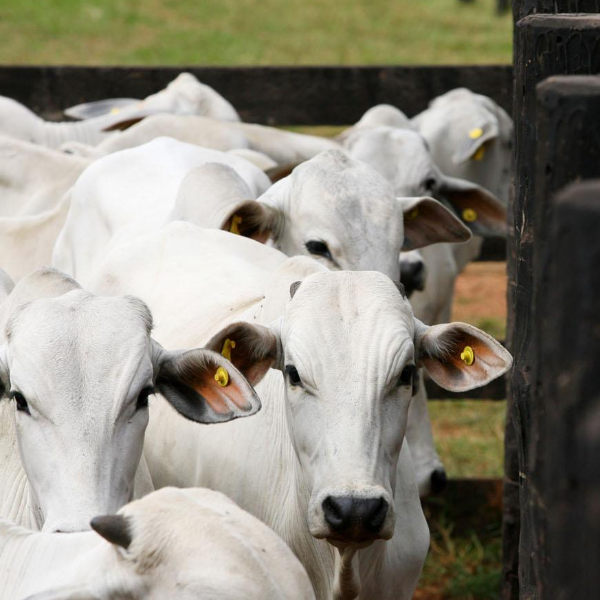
point(166, 267)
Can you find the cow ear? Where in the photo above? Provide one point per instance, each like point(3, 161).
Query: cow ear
point(203, 386)
point(479, 209)
point(427, 221)
point(474, 145)
point(460, 357)
point(249, 219)
point(279, 172)
point(90, 110)
point(256, 350)
point(115, 529)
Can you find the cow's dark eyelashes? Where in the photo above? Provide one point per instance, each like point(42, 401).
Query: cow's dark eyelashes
point(22, 405)
point(407, 376)
point(318, 248)
point(292, 375)
point(142, 400)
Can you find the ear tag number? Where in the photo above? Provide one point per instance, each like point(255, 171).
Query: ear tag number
point(413, 214)
point(476, 133)
point(222, 376)
point(467, 356)
point(235, 223)
point(469, 215)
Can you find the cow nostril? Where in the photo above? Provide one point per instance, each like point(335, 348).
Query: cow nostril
point(344, 514)
point(439, 480)
point(334, 512)
point(378, 512)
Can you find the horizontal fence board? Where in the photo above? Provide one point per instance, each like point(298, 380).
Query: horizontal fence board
point(282, 95)
point(495, 390)
point(469, 505)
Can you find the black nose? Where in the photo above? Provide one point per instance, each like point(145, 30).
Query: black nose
point(412, 276)
point(438, 481)
point(355, 517)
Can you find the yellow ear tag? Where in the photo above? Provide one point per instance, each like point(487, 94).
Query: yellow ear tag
point(114, 111)
point(476, 133)
point(235, 222)
point(222, 376)
point(469, 215)
point(413, 214)
point(479, 154)
point(468, 356)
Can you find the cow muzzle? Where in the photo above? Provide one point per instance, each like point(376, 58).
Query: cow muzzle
point(355, 520)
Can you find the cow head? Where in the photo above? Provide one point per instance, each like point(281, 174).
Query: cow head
point(403, 158)
point(348, 348)
point(343, 213)
point(79, 369)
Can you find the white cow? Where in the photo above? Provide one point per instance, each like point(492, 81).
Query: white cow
point(33, 202)
point(332, 207)
point(185, 95)
point(284, 147)
point(79, 369)
point(321, 463)
point(402, 157)
point(192, 544)
point(124, 186)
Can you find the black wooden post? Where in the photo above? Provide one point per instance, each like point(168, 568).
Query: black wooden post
point(569, 476)
point(545, 45)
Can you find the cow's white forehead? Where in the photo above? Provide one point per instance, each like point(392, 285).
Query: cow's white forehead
point(364, 306)
point(78, 332)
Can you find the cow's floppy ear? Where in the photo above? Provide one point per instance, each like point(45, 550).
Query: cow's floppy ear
point(427, 221)
point(99, 108)
point(479, 209)
point(474, 145)
point(460, 357)
point(249, 219)
point(203, 386)
point(256, 350)
point(115, 529)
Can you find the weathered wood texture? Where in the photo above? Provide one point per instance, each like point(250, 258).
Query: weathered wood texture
point(568, 150)
point(567, 478)
point(524, 8)
point(271, 95)
point(545, 45)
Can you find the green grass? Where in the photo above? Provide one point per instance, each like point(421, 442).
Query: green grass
point(247, 32)
point(469, 436)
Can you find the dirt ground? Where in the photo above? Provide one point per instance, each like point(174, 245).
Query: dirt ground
point(481, 292)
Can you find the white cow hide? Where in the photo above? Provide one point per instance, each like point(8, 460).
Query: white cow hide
point(192, 544)
point(321, 464)
point(76, 371)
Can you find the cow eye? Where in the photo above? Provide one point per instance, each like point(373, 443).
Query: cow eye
point(292, 374)
point(429, 184)
point(407, 376)
point(142, 401)
point(319, 249)
point(21, 402)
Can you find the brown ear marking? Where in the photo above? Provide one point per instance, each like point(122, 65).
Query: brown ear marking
point(113, 528)
point(123, 125)
point(281, 171)
point(256, 348)
point(250, 220)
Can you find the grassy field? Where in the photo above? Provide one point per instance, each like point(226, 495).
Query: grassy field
point(224, 32)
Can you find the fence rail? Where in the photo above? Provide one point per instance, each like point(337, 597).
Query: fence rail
point(270, 95)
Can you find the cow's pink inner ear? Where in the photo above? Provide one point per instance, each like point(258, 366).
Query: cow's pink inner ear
point(203, 380)
point(441, 356)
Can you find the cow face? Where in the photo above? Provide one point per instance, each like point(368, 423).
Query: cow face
point(344, 214)
point(403, 158)
point(349, 348)
point(79, 369)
